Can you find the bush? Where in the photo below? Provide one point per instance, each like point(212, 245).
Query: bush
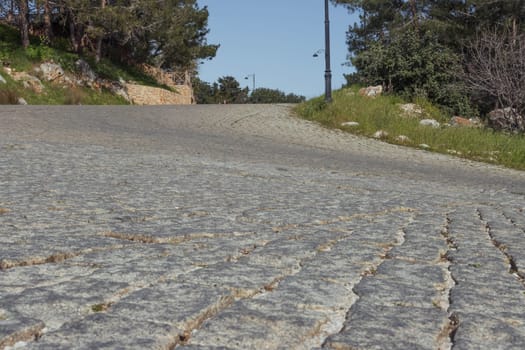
point(8, 97)
point(415, 65)
point(74, 96)
point(495, 69)
point(312, 107)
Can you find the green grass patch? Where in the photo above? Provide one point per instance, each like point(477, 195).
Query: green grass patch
point(384, 113)
point(60, 95)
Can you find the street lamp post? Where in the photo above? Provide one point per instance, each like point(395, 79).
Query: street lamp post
point(328, 72)
point(253, 80)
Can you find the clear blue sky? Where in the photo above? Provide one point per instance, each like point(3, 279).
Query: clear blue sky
point(275, 40)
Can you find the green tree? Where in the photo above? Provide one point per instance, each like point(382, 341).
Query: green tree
point(170, 33)
point(204, 92)
point(265, 95)
point(415, 47)
point(229, 91)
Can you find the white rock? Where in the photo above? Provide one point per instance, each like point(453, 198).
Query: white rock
point(87, 74)
point(380, 134)
point(430, 122)
point(371, 91)
point(424, 145)
point(403, 139)
point(21, 101)
point(350, 124)
point(51, 71)
point(411, 109)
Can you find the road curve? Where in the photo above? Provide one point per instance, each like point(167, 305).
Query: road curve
point(244, 227)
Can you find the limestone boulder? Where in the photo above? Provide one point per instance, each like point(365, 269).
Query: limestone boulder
point(86, 74)
point(371, 91)
point(51, 72)
point(430, 122)
point(411, 110)
point(350, 124)
point(403, 139)
point(464, 122)
point(380, 134)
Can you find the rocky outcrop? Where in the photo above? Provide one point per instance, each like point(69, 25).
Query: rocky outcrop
point(29, 81)
point(51, 72)
point(86, 77)
point(507, 119)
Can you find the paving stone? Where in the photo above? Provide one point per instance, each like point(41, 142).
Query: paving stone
point(103, 331)
point(240, 227)
point(389, 327)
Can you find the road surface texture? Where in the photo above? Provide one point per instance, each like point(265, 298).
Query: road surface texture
point(243, 227)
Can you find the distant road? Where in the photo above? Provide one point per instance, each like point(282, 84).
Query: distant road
point(242, 132)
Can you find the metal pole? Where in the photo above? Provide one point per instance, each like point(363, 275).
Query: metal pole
point(253, 80)
point(328, 72)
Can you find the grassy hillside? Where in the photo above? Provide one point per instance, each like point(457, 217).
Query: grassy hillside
point(12, 55)
point(384, 113)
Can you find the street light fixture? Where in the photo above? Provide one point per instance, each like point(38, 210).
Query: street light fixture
point(253, 80)
point(316, 53)
point(328, 72)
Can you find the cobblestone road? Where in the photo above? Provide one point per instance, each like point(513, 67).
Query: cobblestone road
point(241, 227)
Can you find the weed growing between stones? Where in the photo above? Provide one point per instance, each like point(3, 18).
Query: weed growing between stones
point(100, 307)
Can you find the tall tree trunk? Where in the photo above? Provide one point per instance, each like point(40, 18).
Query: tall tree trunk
point(98, 54)
point(72, 37)
point(23, 22)
point(47, 20)
point(11, 12)
point(415, 16)
point(75, 33)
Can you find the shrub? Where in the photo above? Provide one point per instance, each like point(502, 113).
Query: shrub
point(8, 97)
point(74, 96)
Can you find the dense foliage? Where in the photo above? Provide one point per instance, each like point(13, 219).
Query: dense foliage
point(170, 34)
point(424, 48)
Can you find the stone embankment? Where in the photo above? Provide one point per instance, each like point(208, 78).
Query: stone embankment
point(148, 95)
point(180, 91)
